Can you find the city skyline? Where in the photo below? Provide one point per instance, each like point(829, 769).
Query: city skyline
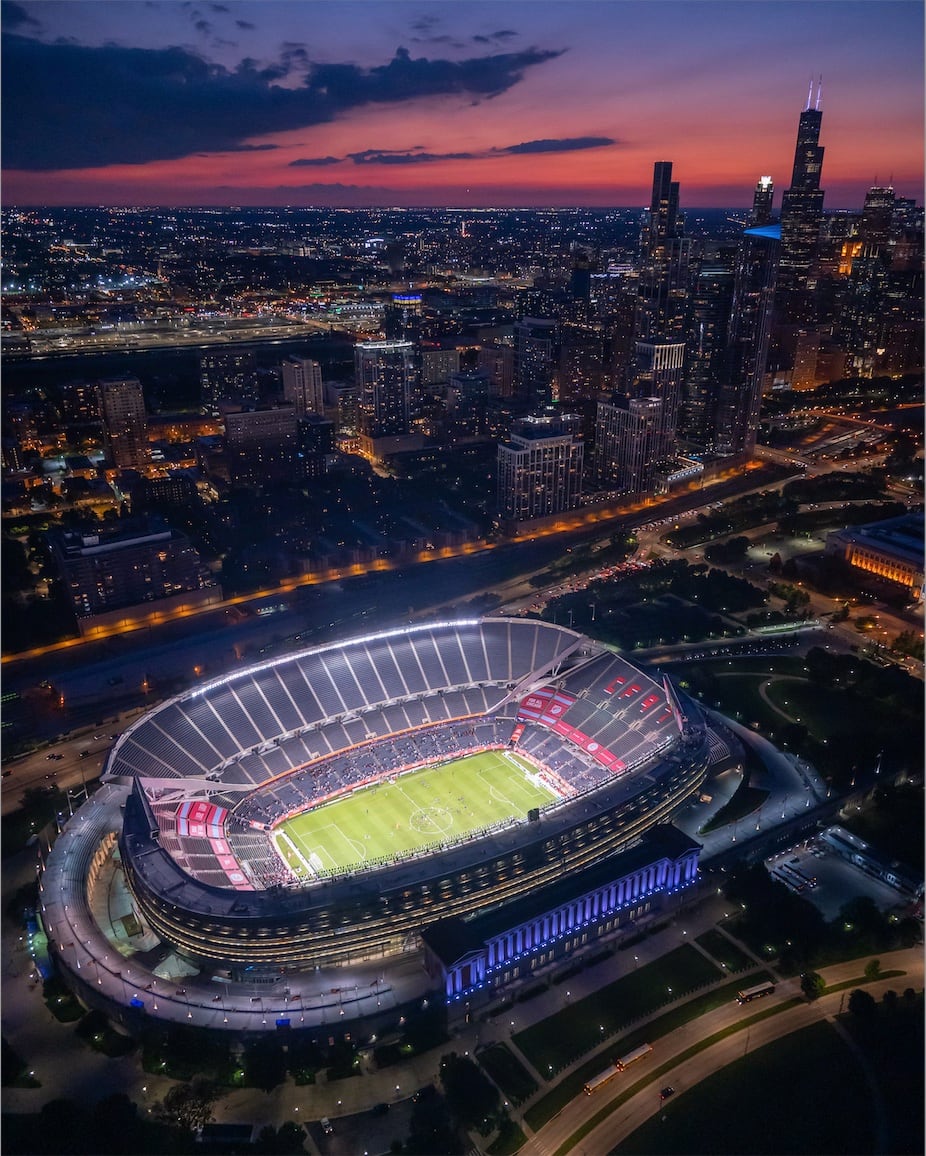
point(467, 105)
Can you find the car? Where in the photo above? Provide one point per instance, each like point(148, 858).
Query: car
point(326, 1125)
point(666, 1092)
point(48, 758)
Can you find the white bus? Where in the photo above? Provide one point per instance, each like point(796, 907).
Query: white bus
point(616, 1068)
point(751, 993)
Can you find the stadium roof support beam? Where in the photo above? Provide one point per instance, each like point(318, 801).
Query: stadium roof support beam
point(180, 789)
point(527, 683)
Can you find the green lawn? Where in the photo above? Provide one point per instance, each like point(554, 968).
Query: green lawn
point(400, 816)
point(508, 1072)
point(821, 709)
point(727, 954)
point(556, 1041)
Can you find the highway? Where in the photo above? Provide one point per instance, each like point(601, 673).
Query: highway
point(579, 526)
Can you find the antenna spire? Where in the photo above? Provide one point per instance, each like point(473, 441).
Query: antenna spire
point(809, 95)
point(819, 93)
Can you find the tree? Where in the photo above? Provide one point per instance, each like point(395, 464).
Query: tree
point(188, 1105)
point(872, 969)
point(265, 1064)
point(472, 1097)
point(116, 1125)
point(813, 985)
point(862, 1004)
point(287, 1140)
point(431, 1127)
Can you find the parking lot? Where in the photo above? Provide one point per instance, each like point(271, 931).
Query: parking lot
point(837, 880)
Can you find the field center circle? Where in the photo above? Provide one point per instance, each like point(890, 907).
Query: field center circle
point(431, 820)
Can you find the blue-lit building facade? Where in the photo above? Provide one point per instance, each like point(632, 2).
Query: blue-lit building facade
point(478, 959)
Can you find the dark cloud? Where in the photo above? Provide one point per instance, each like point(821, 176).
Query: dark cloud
point(219, 8)
point(132, 105)
point(497, 37)
point(15, 16)
point(315, 162)
point(293, 55)
point(398, 157)
point(425, 23)
point(418, 156)
point(245, 25)
point(203, 26)
point(566, 145)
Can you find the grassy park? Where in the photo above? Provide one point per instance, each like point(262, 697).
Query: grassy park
point(508, 1073)
point(412, 811)
point(559, 1039)
point(724, 950)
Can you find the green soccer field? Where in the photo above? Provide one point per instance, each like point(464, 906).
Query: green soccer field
point(417, 810)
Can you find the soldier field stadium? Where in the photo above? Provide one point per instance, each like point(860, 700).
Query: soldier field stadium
point(336, 837)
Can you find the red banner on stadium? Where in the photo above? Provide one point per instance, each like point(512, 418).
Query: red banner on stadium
point(546, 705)
point(595, 749)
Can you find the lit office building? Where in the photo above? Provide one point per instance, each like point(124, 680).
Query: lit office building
point(302, 385)
point(540, 467)
point(125, 429)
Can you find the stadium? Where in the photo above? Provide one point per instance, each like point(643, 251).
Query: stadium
point(327, 807)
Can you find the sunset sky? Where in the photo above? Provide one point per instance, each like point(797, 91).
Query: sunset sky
point(512, 102)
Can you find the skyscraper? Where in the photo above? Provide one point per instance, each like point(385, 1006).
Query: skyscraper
point(762, 202)
point(302, 385)
point(801, 215)
point(125, 429)
point(658, 373)
point(535, 356)
point(706, 346)
point(628, 440)
point(384, 372)
point(877, 214)
point(736, 418)
point(665, 254)
point(661, 223)
point(540, 467)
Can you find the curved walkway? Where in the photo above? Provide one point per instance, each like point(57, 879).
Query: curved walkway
point(763, 694)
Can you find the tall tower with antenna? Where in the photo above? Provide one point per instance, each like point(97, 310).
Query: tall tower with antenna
point(802, 213)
